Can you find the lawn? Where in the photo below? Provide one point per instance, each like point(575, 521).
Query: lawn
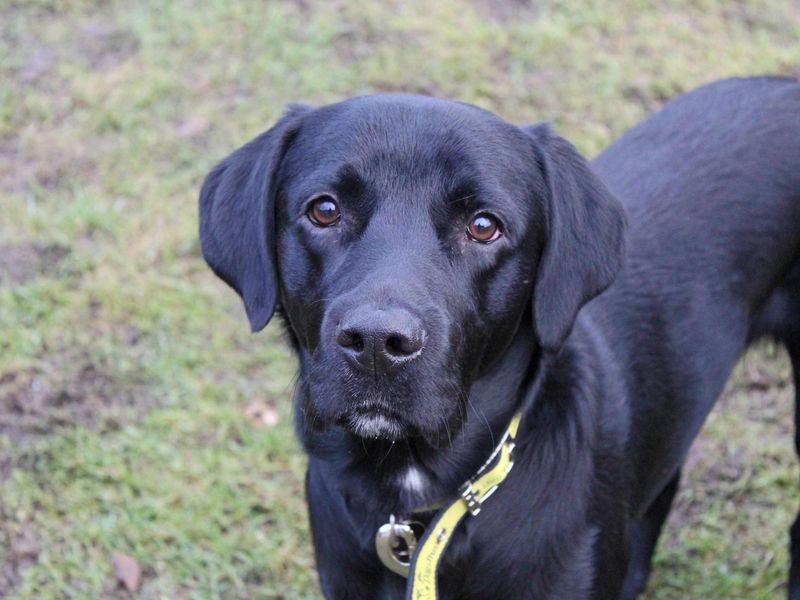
point(139, 416)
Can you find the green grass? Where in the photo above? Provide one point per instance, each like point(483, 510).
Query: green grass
point(126, 368)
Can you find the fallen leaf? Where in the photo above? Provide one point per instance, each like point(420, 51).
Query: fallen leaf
point(262, 413)
point(26, 549)
point(193, 127)
point(127, 571)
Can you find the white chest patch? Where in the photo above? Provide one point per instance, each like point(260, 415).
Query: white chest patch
point(414, 480)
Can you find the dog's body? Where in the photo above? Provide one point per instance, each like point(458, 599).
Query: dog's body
point(418, 343)
point(711, 185)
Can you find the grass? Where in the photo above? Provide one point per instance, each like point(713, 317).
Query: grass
point(126, 369)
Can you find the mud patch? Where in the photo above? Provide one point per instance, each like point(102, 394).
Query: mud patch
point(23, 552)
point(23, 262)
point(792, 72)
point(649, 98)
point(67, 391)
point(46, 164)
point(757, 404)
point(34, 402)
point(103, 46)
point(39, 62)
point(505, 11)
point(10, 162)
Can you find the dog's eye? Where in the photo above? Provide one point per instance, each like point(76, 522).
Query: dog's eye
point(483, 228)
point(323, 211)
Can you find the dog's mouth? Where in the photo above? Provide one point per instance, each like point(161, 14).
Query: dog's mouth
point(374, 423)
point(418, 404)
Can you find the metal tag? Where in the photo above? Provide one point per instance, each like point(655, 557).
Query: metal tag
point(395, 543)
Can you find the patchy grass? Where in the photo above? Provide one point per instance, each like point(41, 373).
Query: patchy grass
point(727, 535)
point(127, 369)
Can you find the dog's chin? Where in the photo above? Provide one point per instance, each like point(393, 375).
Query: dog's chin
point(375, 424)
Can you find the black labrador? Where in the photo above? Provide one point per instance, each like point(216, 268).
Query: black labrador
point(439, 269)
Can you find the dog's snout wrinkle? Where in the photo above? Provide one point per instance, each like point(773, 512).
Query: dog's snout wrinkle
point(380, 340)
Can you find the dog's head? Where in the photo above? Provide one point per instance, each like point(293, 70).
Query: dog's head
point(405, 239)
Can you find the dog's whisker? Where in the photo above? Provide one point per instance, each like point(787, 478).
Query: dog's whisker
point(481, 414)
point(447, 429)
point(385, 456)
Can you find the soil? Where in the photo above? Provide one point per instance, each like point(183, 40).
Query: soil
point(22, 262)
point(35, 403)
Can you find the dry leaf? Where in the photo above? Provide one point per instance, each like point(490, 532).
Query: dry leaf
point(193, 127)
point(127, 571)
point(262, 413)
point(26, 549)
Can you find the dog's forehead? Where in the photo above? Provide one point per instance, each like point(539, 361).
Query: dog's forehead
point(404, 118)
point(412, 138)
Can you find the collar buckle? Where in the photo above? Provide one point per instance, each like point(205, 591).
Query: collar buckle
point(470, 496)
point(475, 498)
point(396, 542)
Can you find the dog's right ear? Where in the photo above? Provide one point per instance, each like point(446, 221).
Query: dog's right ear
point(237, 217)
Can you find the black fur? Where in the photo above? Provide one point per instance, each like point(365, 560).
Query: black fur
point(613, 385)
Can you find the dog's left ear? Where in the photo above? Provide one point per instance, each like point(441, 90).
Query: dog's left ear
point(237, 217)
point(585, 237)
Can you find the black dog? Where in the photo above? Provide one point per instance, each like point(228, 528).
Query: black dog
point(434, 264)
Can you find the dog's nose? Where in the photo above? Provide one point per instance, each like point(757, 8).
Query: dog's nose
point(380, 340)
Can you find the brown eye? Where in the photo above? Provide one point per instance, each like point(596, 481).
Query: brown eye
point(323, 211)
point(483, 228)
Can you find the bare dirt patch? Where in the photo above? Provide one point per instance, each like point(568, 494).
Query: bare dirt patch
point(649, 99)
point(505, 11)
point(39, 62)
point(793, 72)
point(35, 402)
point(23, 262)
point(66, 391)
point(104, 46)
point(23, 552)
point(758, 402)
point(10, 164)
point(46, 164)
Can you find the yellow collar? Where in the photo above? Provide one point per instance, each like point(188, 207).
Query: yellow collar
point(424, 557)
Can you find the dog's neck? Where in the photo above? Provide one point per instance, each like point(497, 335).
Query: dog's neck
point(406, 475)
